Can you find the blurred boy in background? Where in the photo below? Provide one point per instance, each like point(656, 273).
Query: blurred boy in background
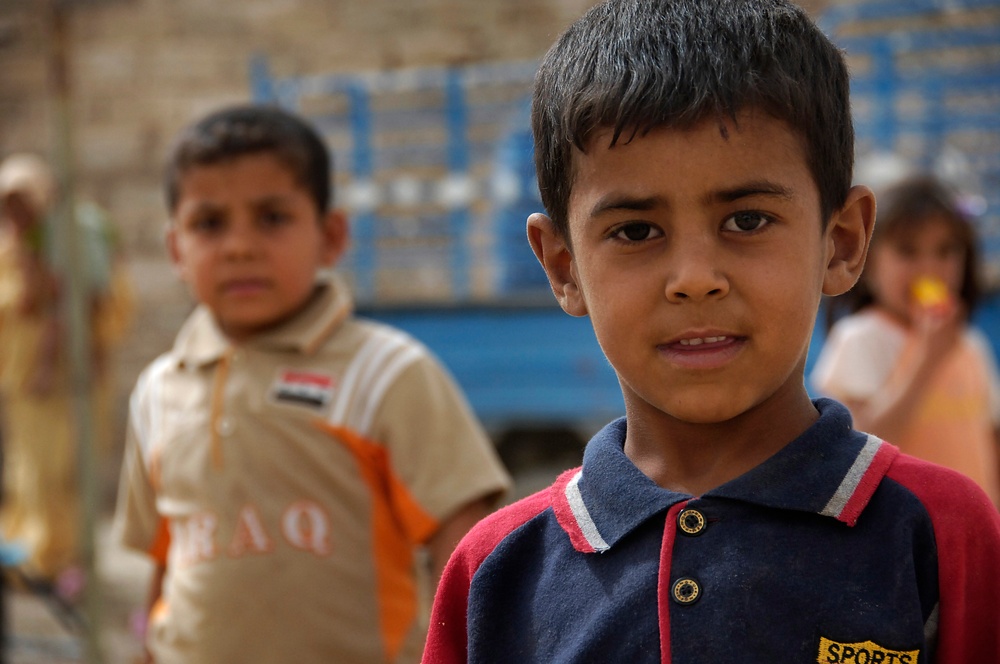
point(286, 462)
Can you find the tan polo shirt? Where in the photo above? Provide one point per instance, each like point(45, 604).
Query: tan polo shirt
point(288, 481)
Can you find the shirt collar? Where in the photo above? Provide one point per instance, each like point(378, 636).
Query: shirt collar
point(201, 342)
point(830, 469)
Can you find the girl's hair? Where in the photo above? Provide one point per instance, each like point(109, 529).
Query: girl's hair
point(902, 209)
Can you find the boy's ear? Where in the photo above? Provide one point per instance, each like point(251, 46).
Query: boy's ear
point(848, 234)
point(173, 251)
point(553, 252)
point(336, 236)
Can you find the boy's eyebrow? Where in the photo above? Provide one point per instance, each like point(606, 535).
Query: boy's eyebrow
point(623, 201)
point(745, 190)
point(188, 207)
point(212, 206)
point(271, 199)
point(618, 201)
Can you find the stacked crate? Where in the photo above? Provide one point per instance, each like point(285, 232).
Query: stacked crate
point(417, 169)
point(926, 97)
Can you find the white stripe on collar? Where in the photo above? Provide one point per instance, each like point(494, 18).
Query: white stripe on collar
point(582, 516)
point(853, 478)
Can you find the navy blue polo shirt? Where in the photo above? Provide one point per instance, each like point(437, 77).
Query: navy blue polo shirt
point(836, 549)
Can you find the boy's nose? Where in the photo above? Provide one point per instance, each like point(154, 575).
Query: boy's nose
point(696, 292)
point(239, 244)
point(695, 277)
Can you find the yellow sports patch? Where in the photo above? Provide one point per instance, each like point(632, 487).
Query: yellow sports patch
point(834, 652)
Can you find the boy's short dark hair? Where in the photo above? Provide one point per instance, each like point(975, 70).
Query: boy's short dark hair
point(635, 65)
point(244, 130)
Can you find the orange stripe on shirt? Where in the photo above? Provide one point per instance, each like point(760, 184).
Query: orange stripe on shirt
point(398, 523)
point(161, 542)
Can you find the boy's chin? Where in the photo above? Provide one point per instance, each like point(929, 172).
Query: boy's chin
point(242, 330)
point(705, 415)
point(718, 408)
point(721, 406)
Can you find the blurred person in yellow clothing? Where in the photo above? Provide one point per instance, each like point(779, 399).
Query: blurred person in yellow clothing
point(40, 502)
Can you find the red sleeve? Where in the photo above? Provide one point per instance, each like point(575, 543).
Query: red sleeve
point(967, 531)
point(447, 637)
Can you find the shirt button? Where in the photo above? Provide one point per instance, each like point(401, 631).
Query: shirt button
point(686, 591)
point(225, 426)
point(691, 522)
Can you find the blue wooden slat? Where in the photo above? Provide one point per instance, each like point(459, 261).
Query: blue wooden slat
point(456, 115)
point(887, 10)
point(927, 39)
point(362, 259)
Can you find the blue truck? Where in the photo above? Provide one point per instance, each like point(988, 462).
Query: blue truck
point(435, 168)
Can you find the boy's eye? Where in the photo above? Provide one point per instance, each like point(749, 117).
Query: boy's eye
point(207, 223)
point(636, 232)
point(745, 222)
point(273, 217)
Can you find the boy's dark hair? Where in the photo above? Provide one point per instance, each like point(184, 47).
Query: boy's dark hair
point(635, 65)
point(903, 208)
point(244, 130)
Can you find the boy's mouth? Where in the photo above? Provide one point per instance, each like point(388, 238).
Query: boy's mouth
point(698, 341)
point(244, 286)
point(701, 338)
point(703, 351)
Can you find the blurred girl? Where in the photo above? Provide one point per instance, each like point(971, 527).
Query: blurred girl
point(904, 359)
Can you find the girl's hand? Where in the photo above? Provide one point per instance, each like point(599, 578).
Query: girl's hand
point(938, 329)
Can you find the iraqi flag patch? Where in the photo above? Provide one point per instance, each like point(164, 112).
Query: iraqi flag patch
point(307, 388)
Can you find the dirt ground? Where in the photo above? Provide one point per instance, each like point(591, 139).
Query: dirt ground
point(38, 633)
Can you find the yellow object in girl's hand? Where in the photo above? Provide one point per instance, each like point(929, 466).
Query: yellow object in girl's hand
point(931, 292)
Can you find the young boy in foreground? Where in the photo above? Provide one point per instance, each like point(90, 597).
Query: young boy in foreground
point(695, 160)
point(285, 460)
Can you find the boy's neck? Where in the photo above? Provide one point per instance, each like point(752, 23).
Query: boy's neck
point(239, 338)
point(695, 458)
